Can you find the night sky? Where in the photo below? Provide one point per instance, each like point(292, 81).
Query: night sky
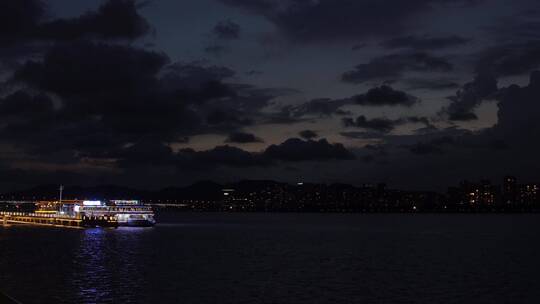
point(418, 94)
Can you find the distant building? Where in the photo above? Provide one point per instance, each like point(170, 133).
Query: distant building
point(510, 190)
point(470, 194)
point(473, 195)
point(486, 195)
point(528, 194)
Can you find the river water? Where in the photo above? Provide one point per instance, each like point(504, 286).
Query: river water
point(279, 258)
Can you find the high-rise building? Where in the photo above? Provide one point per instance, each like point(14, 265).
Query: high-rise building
point(528, 194)
point(486, 193)
point(510, 190)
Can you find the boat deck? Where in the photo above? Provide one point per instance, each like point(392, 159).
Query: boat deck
point(7, 218)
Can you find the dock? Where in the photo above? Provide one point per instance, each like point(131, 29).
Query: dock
point(56, 220)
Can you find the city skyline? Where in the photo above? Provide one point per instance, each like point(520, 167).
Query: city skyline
point(510, 195)
point(147, 94)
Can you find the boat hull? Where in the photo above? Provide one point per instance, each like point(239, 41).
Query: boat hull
point(137, 223)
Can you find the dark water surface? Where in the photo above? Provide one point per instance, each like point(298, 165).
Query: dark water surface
point(279, 258)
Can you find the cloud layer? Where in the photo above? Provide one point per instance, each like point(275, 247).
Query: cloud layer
point(102, 97)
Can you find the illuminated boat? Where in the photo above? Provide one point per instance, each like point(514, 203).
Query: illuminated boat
point(76, 213)
point(133, 214)
point(130, 213)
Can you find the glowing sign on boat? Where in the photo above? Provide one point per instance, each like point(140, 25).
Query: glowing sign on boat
point(125, 202)
point(91, 203)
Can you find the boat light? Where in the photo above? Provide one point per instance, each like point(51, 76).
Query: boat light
point(125, 202)
point(91, 203)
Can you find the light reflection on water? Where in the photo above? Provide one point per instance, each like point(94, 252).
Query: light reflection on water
point(279, 258)
point(106, 262)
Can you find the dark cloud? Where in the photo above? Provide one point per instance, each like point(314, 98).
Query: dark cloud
point(91, 69)
point(227, 30)
point(511, 141)
point(374, 97)
point(323, 20)
point(222, 32)
point(385, 96)
point(242, 138)
point(285, 115)
point(308, 134)
point(373, 153)
point(258, 6)
point(215, 50)
point(194, 76)
point(383, 125)
point(392, 67)
point(86, 95)
point(223, 117)
point(19, 19)
point(219, 156)
point(244, 107)
point(254, 73)
point(462, 114)
point(143, 153)
point(483, 87)
point(433, 146)
point(22, 105)
point(417, 119)
point(424, 42)
point(421, 120)
point(426, 148)
point(151, 153)
point(111, 91)
point(509, 59)
point(519, 113)
point(362, 135)
point(23, 20)
point(523, 26)
point(114, 19)
point(321, 107)
point(295, 149)
point(451, 154)
point(291, 150)
point(433, 84)
point(154, 153)
point(359, 46)
point(110, 95)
